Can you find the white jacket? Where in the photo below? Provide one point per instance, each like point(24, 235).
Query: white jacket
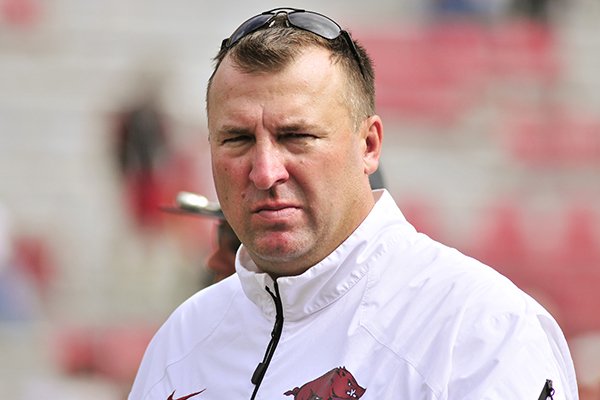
point(390, 314)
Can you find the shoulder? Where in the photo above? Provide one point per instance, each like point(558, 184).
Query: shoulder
point(437, 295)
point(214, 297)
point(198, 316)
point(189, 326)
point(441, 307)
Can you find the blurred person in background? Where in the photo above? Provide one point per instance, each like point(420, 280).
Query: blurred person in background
point(221, 262)
point(336, 295)
point(142, 151)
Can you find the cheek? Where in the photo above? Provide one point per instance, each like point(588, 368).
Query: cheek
point(230, 183)
point(223, 174)
point(222, 181)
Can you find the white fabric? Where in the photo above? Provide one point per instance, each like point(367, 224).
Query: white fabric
point(408, 317)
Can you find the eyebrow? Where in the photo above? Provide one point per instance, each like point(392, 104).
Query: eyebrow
point(300, 126)
point(296, 127)
point(234, 130)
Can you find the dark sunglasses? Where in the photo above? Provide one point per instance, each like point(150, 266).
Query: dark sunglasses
point(309, 21)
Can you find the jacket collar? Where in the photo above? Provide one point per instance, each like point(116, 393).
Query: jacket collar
point(328, 280)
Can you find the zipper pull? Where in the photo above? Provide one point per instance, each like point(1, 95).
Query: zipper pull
point(258, 373)
point(547, 391)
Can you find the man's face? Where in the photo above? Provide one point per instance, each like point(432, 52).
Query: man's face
point(290, 172)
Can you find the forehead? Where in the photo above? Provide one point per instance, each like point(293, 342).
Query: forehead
point(310, 79)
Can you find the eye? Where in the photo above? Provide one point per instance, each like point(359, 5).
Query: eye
point(298, 136)
point(237, 139)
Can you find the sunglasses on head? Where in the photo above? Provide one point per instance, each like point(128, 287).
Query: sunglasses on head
point(309, 21)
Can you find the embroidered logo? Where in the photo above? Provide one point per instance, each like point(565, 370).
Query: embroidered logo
point(184, 397)
point(337, 384)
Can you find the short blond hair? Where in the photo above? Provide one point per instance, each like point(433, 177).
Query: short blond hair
point(273, 49)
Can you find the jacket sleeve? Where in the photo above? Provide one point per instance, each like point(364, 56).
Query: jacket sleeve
point(509, 353)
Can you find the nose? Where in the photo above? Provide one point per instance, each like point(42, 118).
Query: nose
point(268, 166)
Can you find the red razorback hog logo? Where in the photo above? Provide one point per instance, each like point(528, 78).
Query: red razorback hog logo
point(337, 384)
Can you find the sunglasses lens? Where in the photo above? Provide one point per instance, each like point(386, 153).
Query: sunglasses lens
point(309, 21)
point(247, 27)
point(315, 23)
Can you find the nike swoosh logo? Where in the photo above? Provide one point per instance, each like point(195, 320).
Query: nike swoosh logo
point(184, 397)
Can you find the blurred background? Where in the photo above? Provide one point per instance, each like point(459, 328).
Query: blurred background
point(492, 145)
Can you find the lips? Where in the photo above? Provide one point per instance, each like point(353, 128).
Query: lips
point(275, 211)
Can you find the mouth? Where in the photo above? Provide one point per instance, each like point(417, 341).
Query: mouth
point(275, 211)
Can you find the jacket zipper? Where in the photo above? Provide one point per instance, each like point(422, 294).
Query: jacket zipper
point(547, 391)
point(261, 368)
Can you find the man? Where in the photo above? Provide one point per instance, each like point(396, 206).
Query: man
point(336, 295)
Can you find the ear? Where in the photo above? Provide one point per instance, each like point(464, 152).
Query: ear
point(373, 137)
